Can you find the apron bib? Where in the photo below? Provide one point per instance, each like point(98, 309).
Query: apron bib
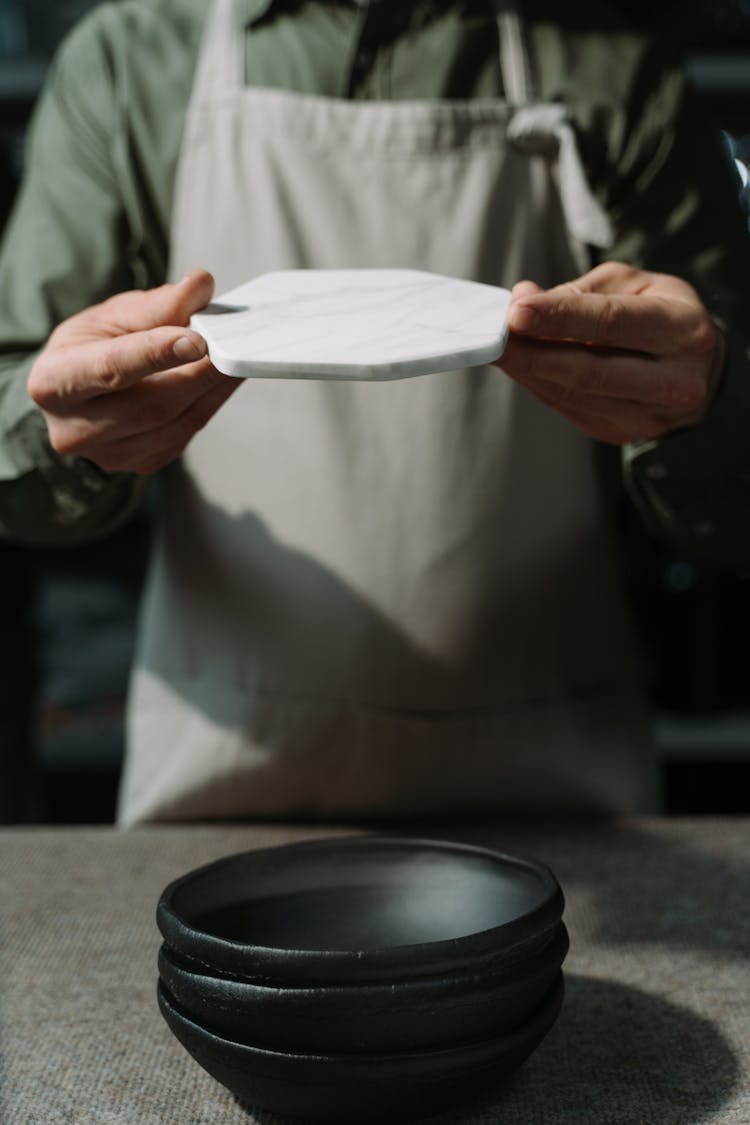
point(390, 599)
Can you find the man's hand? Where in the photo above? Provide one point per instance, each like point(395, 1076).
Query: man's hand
point(624, 354)
point(126, 384)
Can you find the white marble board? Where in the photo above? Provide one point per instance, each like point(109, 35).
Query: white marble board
point(354, 324)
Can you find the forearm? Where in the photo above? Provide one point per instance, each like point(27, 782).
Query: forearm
point(678, 212)
point(68, 244)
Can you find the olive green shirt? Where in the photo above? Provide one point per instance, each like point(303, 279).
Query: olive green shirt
point(93, 215)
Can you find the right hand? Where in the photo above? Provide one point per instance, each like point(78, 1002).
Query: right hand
point(126, 384)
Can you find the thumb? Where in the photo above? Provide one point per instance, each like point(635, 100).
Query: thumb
point(169, 304)
point(518, 317)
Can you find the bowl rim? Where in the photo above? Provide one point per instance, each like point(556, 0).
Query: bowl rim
point(243, 993)
point(541, 1019)
point(509, 940)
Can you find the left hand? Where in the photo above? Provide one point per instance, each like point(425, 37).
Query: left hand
point(624, 354)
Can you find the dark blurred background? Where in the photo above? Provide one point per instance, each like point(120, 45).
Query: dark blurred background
point(69, 616)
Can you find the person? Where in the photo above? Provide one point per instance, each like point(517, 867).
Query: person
point(376, 600)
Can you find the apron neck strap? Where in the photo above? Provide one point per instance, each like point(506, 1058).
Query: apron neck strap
point(221, 62)
point(515, 66)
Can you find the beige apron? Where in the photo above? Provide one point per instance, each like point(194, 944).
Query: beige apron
point(381, 599)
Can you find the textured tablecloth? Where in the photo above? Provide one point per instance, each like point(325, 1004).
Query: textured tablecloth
point(655, 1029)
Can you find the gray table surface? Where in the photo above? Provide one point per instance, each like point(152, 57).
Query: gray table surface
point(655, 1027)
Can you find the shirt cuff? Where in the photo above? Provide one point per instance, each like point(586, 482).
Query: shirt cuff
point(17, 408)
point(693, 486)
point(47, 498)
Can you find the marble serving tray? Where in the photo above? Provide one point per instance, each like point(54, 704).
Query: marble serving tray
point(354, 324)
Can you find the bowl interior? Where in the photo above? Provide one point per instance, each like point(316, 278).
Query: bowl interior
point(360, 894)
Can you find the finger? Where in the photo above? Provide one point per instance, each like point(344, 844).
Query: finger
point(138, 310)
point(152, 403)
point(150, 451)
point(147, 406)
point(613, 422)
point(619, 278)
point(169, 304)
point(606, 372)
point(595, 406)
point(63, 378)
point(657, 325)
point(525, 289)
point(614, 277)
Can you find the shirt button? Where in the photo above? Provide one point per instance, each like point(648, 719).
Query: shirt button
point(656, 471)
point(680, 577)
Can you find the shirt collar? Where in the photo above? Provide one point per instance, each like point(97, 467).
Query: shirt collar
point(255, 10)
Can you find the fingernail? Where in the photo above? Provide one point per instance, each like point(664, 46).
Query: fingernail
point(189, 348)
point(523, 319)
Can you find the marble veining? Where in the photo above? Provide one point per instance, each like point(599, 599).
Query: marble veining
point(354, 324)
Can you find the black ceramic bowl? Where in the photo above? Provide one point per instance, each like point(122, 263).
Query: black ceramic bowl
point(365, 1087)
point(360, 909)
point(417, 1014)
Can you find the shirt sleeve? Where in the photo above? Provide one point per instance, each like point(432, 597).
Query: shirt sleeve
point(66, 247)
point(675, 209)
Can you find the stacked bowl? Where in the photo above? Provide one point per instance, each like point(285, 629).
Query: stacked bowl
point(362, 979)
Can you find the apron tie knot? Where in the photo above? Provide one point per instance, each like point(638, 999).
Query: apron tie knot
point(545, 130)
point(534, 129)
